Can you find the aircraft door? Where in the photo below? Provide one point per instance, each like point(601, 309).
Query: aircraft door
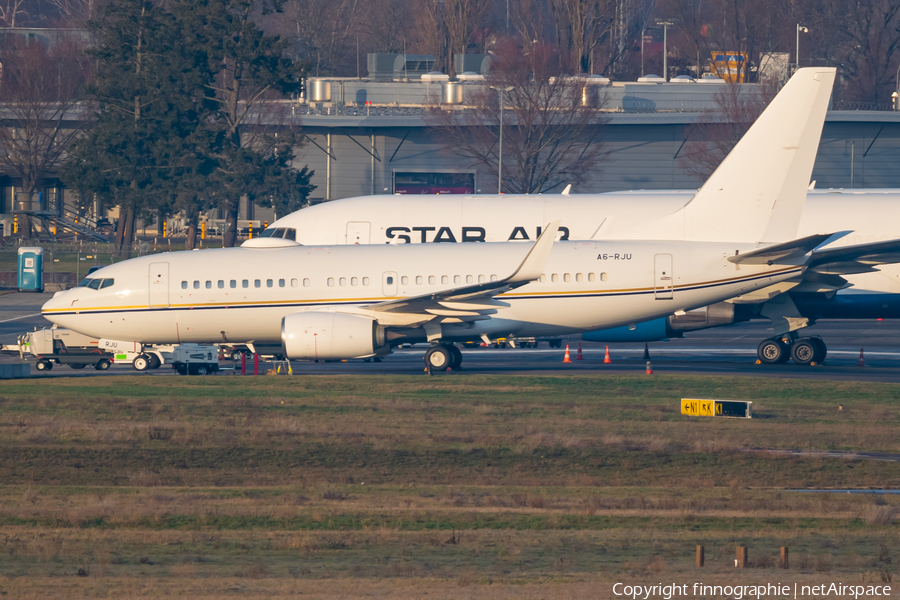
point(158, 285)
point(358, 232)
point(389, 284)
point(663, 277)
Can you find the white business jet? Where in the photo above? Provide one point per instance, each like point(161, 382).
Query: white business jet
point(350, 301)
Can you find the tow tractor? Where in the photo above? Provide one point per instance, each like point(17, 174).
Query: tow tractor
point(62, 347)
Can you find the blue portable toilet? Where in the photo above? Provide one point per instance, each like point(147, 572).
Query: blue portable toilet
point(31, 270)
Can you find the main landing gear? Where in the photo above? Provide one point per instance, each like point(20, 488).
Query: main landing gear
point(803, 351)
point(443, 356)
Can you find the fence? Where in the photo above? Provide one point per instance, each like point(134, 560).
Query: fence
point(68, 263)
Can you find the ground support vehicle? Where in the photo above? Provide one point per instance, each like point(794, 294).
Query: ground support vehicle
point(195, 359)
point(140, 357)
point(63, 347)
point(530, 342)
point(519, 342)
point(273, 351)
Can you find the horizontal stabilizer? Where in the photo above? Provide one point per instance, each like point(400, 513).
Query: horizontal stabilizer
point(787, 251)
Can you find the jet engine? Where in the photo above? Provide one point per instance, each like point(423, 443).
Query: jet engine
point(328, 336)
point(721, 313)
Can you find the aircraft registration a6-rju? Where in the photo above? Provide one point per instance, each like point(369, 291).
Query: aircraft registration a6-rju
point(336, 302)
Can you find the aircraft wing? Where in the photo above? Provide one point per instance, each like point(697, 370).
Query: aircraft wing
point(477, 299)
point(825, 267)
point(859, 258)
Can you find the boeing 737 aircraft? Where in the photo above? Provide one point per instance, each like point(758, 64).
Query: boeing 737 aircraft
point(329, 302)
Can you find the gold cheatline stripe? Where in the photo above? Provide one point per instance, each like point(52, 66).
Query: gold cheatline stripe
point(385, 299)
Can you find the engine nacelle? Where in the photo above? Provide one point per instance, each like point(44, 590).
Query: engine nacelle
point(714, 315)
point(328, 336)
point(721, 313)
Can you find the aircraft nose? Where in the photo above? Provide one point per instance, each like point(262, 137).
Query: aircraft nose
point(60, 300)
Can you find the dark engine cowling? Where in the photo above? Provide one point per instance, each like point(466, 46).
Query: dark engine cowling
point(330, 336)
point(664, 328)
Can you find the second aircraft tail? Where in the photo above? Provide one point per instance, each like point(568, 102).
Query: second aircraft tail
point(757, 193)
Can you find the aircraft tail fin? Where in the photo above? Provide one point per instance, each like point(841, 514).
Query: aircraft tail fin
point(757, 193)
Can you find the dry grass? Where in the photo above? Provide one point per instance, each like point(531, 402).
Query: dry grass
point(470, 487)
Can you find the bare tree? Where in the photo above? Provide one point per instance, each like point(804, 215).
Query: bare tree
point(325, 33)
point(862, 38)
point(74, 13)
point(13, 10)
point(450, 26)
point(532, 22)
point(386, 24)
point(549, 137)
point(718, 130)
point(581, 26)
point(40, 89)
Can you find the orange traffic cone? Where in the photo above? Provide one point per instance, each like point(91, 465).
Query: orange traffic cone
point(862, 360)
point(649, 368)
point(578, 355)
point(567, 358)
point(606, 359)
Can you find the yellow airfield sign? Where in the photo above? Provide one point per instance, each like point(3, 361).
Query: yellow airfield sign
point(699, 407)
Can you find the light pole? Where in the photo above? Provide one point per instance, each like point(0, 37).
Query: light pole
point(804, 30)
point(500, 91)
point(665, 25)
point(896, 95)
point(643, 31)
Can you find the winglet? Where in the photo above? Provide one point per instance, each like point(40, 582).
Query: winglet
point(536, 259)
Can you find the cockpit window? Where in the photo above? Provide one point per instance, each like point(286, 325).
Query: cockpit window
point(280, 233)
point(96, 283)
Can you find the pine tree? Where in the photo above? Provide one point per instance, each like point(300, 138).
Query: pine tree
point(248, 142)
point(137, 149)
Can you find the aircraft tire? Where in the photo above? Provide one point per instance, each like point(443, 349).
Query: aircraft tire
point(821, 349)
point(772, 351)
point(803, 351)
point(455, 357)
point(438, 357)
point(141, 363)
point(154, 361)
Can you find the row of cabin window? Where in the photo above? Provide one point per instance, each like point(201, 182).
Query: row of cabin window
point(245, 283)
point(554, 277)
point(445, 279)
point(567, 277)
point(404, 280)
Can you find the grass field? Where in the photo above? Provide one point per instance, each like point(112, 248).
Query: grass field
point(458, 487)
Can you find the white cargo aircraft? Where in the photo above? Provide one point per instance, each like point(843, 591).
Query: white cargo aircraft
point(330, 302)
